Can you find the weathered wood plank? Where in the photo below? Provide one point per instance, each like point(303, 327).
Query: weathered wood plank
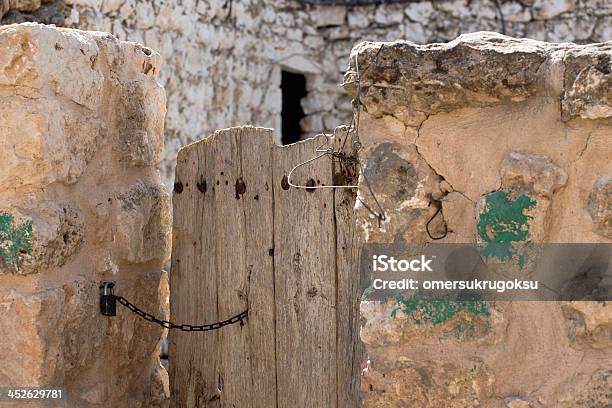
point(243, 238)
point(214, 280)
point(258, 204)
point(305, 276)
point(349, 346)
point(230, 252)
point(193, 294)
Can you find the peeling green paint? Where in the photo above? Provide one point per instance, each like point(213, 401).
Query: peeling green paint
point(15, 240)
point(502, 223)
point(423, 310)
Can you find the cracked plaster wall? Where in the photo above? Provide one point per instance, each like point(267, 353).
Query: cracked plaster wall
point(483, 121)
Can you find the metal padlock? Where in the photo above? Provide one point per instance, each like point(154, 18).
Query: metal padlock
point(108, 301)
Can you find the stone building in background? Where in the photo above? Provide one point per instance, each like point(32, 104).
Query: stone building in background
point(279, 63)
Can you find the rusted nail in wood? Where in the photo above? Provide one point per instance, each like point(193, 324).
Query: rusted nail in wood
point(310, 183)
point(201, 184)
point(240, 188)
point(285, 183)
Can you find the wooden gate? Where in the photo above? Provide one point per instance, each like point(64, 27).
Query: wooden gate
point(243, 238)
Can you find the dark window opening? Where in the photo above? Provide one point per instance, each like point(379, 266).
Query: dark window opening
point(293, 87)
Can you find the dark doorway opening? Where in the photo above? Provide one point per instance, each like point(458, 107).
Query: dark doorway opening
point(293, 87)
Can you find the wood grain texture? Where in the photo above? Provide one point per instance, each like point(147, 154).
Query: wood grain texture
point(242, 239)
point(304, 265)
point(349, 346)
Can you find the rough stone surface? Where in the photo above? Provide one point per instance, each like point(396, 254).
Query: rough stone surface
point(588, 90)
point(469, 129)
point(223, 60)
point(76, 209)
point(57, 234)
point(589, 324)
point(142, 222)
point(600, 206)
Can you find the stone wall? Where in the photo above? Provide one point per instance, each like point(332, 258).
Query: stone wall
point(81, 130)
point(223, 58)
point(465, 127)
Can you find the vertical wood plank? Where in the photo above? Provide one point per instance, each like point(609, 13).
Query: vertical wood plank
point(221, 255)
point(193, 286)
point(258, 204)
point(349, 346)
point(305, 276)
point(230, 252)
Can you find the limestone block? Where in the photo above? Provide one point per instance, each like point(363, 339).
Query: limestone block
point(457, 8)
point(128, 60)
point(419, 12)
point(20, 317)
point(445, 77)
point(48, 143)
point(589, 324)
point(600, 206)
point(545, 9)
point(24, 5)
point(516, 12)
point(584, 28)
point(42, 59)
point(588, 77)
point(38, 238)
point(535, 174)
point(357, 19)
point(55, 345)
point(562, 30)
point(404, 185)
point(519, 211)
point(388, 15)
point(140, 122)
point(111, 5)
point(317, 102)
point(536, 177)
point(328, 16)
point(312, 123)
point(415, 32)
point(142, 223)
point(145, 16)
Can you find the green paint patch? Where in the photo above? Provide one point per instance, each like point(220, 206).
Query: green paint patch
point(423, 310)
point(503, 223)
point(15, 240)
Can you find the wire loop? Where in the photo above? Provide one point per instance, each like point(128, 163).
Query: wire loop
point(339, 154)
